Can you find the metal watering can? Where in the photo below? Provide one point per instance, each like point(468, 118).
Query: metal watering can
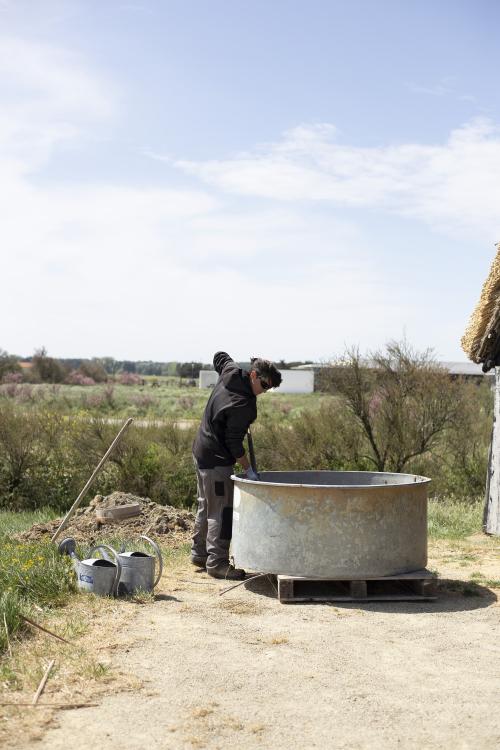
point(138, 569)
point(97, 575)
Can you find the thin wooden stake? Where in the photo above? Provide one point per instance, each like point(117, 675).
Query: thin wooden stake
point(52, 705)
point(96, 471)
point(7, 635)
point(43, 682)
point(49, 632)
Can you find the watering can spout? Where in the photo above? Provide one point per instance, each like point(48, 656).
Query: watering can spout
point(67, 547)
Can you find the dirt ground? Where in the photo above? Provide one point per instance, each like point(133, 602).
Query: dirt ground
point(198, 670)
point(159, 520)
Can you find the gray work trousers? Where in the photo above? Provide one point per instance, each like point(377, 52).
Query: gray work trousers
point(214, 519)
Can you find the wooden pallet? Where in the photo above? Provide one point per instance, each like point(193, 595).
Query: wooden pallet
point(417, 586)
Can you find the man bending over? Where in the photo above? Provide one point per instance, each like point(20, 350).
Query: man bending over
point(231, 409)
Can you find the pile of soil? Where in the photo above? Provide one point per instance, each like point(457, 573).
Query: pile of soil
point(172, 526)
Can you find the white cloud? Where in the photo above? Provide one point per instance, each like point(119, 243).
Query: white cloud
point(152, 272)
point(48, 98)
point(53, 78)
point(93, 268)
point(444, 87)
point(454, 185)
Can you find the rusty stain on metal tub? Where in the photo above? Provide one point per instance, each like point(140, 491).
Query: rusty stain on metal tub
point(330, 524)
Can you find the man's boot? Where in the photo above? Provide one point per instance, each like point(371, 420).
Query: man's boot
point(227, 572)
point(199, 562)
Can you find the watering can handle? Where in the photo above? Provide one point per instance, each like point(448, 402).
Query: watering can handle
point(158, 555)
point(117, 560)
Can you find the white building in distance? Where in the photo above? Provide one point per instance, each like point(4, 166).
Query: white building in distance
point(293, 381)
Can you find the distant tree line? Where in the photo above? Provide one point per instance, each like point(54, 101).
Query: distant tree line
point(80, 371)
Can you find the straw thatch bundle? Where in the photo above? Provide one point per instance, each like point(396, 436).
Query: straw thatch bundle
point(481, 337)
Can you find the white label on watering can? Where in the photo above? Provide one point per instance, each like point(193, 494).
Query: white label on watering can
point(236, 516)
point(86, 579)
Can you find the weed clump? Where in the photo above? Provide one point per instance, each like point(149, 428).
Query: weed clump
point(449, 518)
point(31, 574)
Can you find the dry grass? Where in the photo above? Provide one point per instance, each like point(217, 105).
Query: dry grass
point(81, 672)
point(279, 640)
point(240, 606)
point(469, 563)
point(203, 723)
point(201, 713)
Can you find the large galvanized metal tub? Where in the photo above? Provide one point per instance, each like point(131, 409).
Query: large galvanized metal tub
point(330, 524)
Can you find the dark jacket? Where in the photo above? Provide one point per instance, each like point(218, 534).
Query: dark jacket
point(230, 411)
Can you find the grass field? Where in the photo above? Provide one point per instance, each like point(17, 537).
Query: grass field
point(166, 400)
point(451, 519)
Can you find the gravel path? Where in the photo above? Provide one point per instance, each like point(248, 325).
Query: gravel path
point(244, 669)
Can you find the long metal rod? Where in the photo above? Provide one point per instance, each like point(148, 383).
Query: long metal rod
point(259, 575)
point(89, 482)
point(251, 451)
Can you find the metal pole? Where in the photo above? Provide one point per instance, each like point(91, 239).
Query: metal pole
point(96, 471)
point(251, 451)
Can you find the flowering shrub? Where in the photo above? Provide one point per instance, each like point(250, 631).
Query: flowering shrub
point(142, 401)
point(109, 395)
point(78, 378)
point(26, 393)
point(13, 377)
point(129, 378)
point(185, 402)
point(92, 400)
point(8, 390)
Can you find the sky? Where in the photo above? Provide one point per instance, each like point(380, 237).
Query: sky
point(272, 178)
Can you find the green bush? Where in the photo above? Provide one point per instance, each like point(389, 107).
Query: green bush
point(329, 438)
point(36, 461)
point(46, 457)
point(322, 439)
point(30, 574)
point(153, 461)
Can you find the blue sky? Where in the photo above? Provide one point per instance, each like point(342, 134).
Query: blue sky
point(273, 178)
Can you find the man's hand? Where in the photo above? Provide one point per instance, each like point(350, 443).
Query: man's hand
point(251, 474)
